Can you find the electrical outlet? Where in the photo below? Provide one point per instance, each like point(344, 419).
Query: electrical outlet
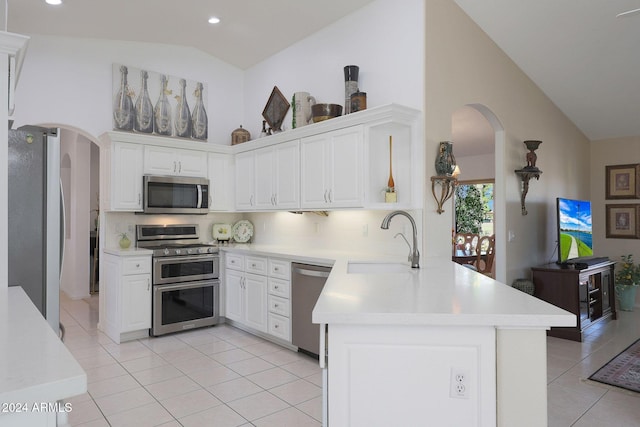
point(460, 383)
point(365, 230)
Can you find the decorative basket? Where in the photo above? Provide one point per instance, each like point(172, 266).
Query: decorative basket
point(524, 285)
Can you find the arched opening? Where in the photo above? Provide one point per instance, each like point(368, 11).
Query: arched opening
point(479, 147)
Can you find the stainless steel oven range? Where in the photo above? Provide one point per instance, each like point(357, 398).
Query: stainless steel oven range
point(186, 289)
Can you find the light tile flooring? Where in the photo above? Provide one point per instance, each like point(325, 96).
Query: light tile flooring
point(219, 376)
point(222, 376)
point(576, 401)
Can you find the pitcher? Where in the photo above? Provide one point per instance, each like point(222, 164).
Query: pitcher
point(302, 103)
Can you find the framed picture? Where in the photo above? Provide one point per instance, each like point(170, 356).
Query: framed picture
point(276, 109)
point(623, 181)
point(622, 221)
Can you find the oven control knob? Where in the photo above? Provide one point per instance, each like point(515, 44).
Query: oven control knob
point(212, 250)
point(166, 251)
point(189, 251)
point(178, 251)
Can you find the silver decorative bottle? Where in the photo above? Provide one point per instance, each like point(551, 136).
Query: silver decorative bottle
point(162, 110)
point(123, 109)
point(199, 116)
point(182, 121)
point(144, 108)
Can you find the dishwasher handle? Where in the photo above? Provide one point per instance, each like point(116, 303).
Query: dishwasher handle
point(311, 273)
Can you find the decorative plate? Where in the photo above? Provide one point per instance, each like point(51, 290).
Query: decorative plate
point(242, 231)
point(276, 109)
point(222, 231)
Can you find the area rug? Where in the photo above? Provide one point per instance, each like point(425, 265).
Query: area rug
point(623, 370)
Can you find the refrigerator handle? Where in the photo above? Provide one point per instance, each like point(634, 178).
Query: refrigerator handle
point(62, 227)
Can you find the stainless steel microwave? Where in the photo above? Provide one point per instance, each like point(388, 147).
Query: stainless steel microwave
point(175, 195)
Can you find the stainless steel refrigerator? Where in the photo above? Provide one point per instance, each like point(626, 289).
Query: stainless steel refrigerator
point(36, 226)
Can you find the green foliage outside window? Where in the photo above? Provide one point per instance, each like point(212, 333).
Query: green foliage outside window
point(472, 207)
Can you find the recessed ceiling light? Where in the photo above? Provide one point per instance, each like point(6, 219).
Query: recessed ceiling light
point(214, 20)
point(53, 2)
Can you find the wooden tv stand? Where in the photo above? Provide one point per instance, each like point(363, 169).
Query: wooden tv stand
point(587, 293)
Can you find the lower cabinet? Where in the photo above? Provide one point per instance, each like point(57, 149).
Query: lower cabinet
point(125, 297)
point(257, 294)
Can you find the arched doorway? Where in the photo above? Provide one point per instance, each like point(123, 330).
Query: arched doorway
point(80, 179)
point(479, 146)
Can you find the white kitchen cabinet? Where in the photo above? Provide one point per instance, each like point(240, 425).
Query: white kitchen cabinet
point(331, 169)
point(258, 294)
point(126, 296)
point(245, 293)
point(174, 161)
point(126, 176)
point(245, 181)
point(221, 185)
point(268, 178)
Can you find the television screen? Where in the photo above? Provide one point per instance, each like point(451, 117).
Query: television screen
point(574, 229)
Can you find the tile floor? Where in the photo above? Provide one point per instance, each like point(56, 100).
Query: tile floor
point(219, 376)
point(222, 376)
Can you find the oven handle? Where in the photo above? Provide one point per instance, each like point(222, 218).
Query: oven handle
point(189, 285)
point(197, 257)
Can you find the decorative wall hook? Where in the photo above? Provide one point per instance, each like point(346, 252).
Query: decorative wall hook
point(529, 171)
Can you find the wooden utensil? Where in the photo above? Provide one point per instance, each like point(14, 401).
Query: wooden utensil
point(390, 183)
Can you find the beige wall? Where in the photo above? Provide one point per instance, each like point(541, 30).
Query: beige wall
point(463, 66)
point(619, 151)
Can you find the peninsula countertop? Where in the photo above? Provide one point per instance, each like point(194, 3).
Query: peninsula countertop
point(35, 366)
point(441, 292)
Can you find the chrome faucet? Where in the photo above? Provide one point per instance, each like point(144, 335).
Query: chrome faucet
point(414, 257)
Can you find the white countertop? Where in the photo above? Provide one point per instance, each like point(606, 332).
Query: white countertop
point(441, 292)
point(131, 251)
point(35, 366)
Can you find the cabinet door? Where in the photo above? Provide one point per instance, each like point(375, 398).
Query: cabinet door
point(110, 298)
point(126, 177)
point(264, 177)
point(192, 163)
point(136, 302)
point(255, 298)
point(344, 168)
point(286, 175)
point(234, 295)
point(313, 177)
point(245, 178)
point(221, 184)
point(160, 160)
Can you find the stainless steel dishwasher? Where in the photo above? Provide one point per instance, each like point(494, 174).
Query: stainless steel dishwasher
point(307, 282)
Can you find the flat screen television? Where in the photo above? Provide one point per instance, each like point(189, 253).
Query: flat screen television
point(574, 230)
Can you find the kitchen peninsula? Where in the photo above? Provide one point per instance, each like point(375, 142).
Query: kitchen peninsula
point(37, 370)
point(398, 337)
point(441, 342)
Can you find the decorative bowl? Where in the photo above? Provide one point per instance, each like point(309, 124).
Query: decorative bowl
point(321, 112)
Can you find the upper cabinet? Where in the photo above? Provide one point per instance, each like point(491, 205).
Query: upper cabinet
point(268, 178)
point(340, 163)
point(331, 165)
point(174, 161)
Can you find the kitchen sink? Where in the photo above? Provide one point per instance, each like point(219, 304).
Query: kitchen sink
point(377, 267)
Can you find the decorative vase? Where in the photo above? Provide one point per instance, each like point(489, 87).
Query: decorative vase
point(626, 296)
point(350, 85)
point(124, 242)
point(445, 161)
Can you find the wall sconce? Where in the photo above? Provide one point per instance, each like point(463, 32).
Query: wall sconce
point(447, 177)
point(529, 171)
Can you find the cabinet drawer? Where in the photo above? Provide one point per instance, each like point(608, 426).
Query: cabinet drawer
point(234, 261)
point(280, 269)
point(256, 265)
point(136, 265)
point(279, 306)
point(280, 288)
point(280, 326)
